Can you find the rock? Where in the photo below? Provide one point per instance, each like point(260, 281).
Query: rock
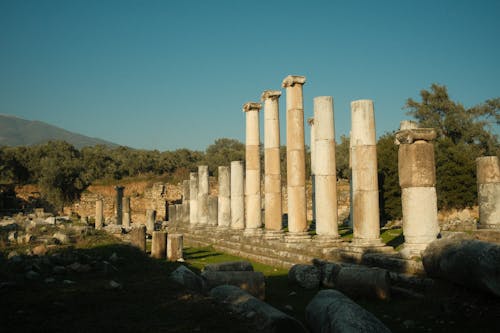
point(252, 282)
point(113, 229)
point(113, 257)
point(39, 250)
point(306, 276)
point(363, 281)
point(79, 268)
point(114, 285)
point(12, 237)
point(267, 318)
point(32, 275)
point(187, 278)
point(175, 247)
point(332, 311)
point(468, 262)
point(50, 220)
point(138, 237)
point(49, 280)
point(409, 324)
point(59, 270)
point(229, 266)
point(28, 238)
point(68, 282)
point(328, 273)
point(14, 257)
point(61, 237)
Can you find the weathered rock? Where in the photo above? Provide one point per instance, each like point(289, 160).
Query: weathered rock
point(114, 285)
point(32, 275)
point(50, 220)
point(79, 268)
point(49, 280)
point(61, 237)
point(113, 229)
point(332, 311)
point(363, 281)
point(306, 276)
point(14, 257)
point(465, 261)
point(12, 237)
point(40, 250)
point(229, 266)
point(159, 245)
point(267, 318)
point(252, 282)
point(187, 278)
point(175, 247)
point(59, 270)
point(328, 272)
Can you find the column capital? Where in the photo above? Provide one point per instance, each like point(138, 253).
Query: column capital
point(291, 80)
point(310, 121)
point(270, 94)
point(409, 136)
point(252, 106)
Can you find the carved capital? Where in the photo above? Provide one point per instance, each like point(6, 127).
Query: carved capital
point(270, 94)
point(252, 106)
point(408, 136)
point(291, 80)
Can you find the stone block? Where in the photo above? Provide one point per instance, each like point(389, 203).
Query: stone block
point(416, 166)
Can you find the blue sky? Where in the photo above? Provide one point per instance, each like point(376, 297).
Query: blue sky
point(172, 74)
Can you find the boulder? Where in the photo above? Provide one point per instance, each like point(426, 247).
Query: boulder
point(61, 237)
point(468, 262)
point(266, 317)
point(187, 278)
point(229, 266)
point(252, 282)
point(332, 311)
point(306, 276)
point(39, 250)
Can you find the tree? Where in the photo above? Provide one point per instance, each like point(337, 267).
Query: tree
point(390, 192)
point(222, 152)
point(463, 135)
point(342, 157)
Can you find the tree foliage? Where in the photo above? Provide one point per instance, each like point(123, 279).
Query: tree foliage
point(463, 135)
point(390, 192)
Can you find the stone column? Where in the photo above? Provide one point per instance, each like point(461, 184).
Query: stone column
point(272, 169)
point(237, 196)
point(99, 213)
point(252, 169)
point(185, 201)
point(150, 220)
point(325, 170)
point(366, 219)
point(159, 245)
point(171, 213)
point(119, 202)
point(174, 247)
point(212, 210)
point(203, 194)
point(488, 188)
point(295, 159)
point(193, 198)
point(224, 198)
point(126, 212)
point(417, 178)
point(138, 237)
point(310, 121)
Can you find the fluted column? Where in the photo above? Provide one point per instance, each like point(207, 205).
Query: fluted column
point(310, 121)
point(417, 178)
point(99, 214)
point(325, 170)
point(488, 188)
point(203, 194)
point(119, 203)
point(366, 220)
point(295, 158)
point(252, 168)
point(272, 169)
point(126, 212)
point(185, 201)
point(193, 198)
point(224, 198)
point(237, 196)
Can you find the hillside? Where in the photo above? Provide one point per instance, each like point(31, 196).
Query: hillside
point(20, 132)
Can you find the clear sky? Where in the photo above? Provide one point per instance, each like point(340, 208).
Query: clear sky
point(173, 74)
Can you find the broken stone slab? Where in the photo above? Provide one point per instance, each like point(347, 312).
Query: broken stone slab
point(138, 237)
point(267, 318)
point(332, 311)
point(464, 261)
point(187, 278)
point(229, 266)
point(361, 281)
point(306, 276)
point(175, 247)
point(252, 282)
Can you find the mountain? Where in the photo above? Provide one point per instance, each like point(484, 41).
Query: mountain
point(21, 132)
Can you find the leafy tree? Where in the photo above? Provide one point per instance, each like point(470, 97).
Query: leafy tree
point(390, 192)
point(342, 157)
point(463, 135)
point(222, 152)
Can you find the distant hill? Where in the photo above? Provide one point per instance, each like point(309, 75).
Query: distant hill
point(20, 132)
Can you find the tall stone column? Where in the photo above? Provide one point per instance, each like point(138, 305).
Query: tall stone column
point(159, 245)
point(203, 194)
point(237, 196)
point(150, 220)
point(366, 219)
point(272, 168)
point(488, 188)
point(99, 213)
point(193, 198)
point(213, 203)
point(325, 170)
point(224, 198)
point(126, 212)
point(252, 169)
point(119, 203)
point(295, 159)
point(310, 121)
point(185, 201)
point(417, 178)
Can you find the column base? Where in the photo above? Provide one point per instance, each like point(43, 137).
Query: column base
point(412, 250)
point(297, 237)
point(362, 242)
point(254, 232)
point(327, 239)
point(273, 234)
